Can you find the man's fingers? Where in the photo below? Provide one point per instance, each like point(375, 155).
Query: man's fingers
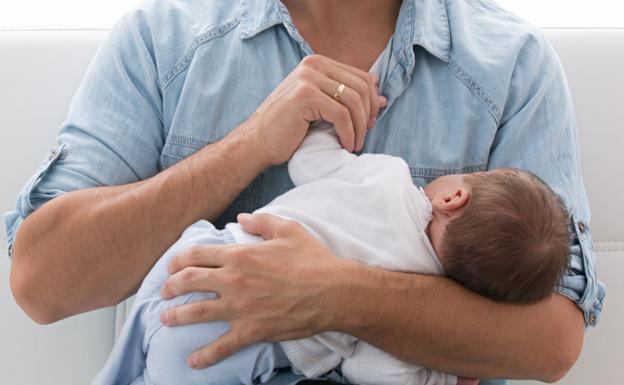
point(359, 118)
point(340, 116)
point(222, 347)
point(353, 82)
point(370, 80)
point(201, 255)
point(378, 101)
point(351, 98)
point(189, 279)
point(342, 74)
point(266, 225)
point(194, 312)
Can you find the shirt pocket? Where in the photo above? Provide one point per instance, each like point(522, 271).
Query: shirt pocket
point(179, 147)
point(433, 148)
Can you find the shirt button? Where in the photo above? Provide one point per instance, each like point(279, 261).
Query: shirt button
point(592, 319)
point(52, 155)
point(581, 226)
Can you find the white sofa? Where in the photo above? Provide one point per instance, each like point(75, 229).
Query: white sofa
point(39, 72)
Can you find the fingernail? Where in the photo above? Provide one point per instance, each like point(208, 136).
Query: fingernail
point(192, 361)
point(164, 317)
point(360, 144)
point(383, 100)
point(243, 216)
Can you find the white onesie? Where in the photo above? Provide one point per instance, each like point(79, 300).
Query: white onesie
point(365, 208)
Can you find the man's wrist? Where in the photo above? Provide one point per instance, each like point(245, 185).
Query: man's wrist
point(245, 140)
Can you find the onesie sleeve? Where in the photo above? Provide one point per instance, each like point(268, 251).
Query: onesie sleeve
point(319, 156)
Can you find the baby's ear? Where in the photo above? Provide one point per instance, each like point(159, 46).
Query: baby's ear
point(456, 200)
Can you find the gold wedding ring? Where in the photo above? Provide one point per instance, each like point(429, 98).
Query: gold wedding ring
point(339, 92)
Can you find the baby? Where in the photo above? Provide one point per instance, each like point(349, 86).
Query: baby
point(502, 234)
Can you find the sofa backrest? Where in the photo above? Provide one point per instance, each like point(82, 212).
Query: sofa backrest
point(39, 72)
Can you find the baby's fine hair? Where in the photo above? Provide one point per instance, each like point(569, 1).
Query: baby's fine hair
point(511, 242)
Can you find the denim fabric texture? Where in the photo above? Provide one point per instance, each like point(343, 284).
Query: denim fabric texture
point(470, 87)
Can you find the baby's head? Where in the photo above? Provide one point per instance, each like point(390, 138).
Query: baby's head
point(501, 233)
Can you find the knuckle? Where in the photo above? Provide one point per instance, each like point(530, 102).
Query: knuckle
point(361, 87)
point(168, 287)
point(197, 311)
point(175, 262)
point(311, 61)
point(358, 101)
point(228, 278)
point(237, 281)
point(236, 256)
point(291, 226)
point(193, 254)
point(172, 317)
point(304, 73)
point(304, 90)
point(344, 115)
point(188, 275)
point(194, 250)
point(222, 350)
point(220, 253)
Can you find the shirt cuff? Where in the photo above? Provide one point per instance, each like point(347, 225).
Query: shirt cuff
point(580, 283)
point(12, 221)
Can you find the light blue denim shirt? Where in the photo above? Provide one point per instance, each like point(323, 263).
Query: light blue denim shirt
point(470, 87)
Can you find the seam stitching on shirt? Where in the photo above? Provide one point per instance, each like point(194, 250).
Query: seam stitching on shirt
point(428, 172)
point(188, 141)
point(486, 99)
point(197, 42)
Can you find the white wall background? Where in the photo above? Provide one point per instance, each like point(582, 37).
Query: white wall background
point(101, 14)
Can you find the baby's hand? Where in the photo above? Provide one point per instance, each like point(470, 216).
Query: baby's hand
point(467, 381)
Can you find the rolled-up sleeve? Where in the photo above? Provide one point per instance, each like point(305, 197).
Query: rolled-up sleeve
point(113, 133)
point(538, 133)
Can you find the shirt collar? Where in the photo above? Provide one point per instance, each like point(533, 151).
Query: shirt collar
point(421, 22)
point(259, 15)
point(427, 23)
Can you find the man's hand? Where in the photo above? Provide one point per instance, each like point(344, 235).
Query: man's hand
point(269, 291)
point(306, 95)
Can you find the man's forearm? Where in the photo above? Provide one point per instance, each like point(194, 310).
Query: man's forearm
point(436, 323)
point(90, 248)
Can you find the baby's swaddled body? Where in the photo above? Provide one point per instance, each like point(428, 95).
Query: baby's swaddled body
point(365, 208)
